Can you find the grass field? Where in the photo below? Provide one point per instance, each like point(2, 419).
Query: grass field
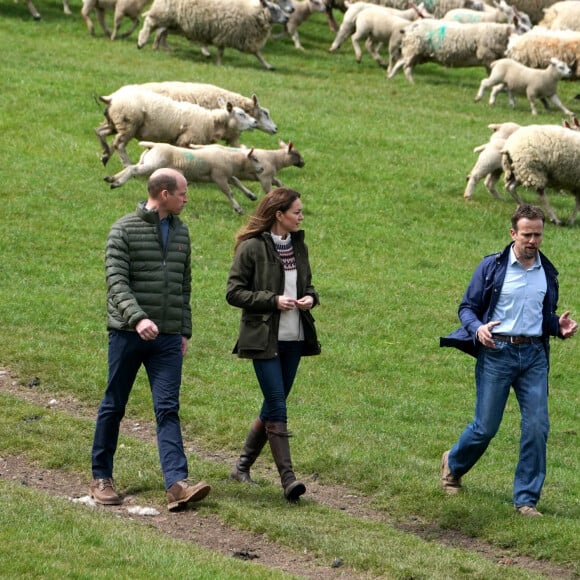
point(392, 247)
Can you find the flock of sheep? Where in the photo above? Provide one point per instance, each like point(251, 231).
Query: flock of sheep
point(526, 48)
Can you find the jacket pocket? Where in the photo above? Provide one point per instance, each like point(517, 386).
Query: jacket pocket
point(254, 332)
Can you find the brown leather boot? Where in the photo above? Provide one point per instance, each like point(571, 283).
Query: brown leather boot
point(253, 446)
point(279, 444)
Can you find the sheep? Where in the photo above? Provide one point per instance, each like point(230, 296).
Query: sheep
point(204, 164)
point(538, 46)
point(210, 96)
point(541, 156)
point(303, 9)
point(349, 22)
point(377, 25)
point(451, 44)
point(147, 115)
point(36, 14)
point(272, 161)
point(502, 12)
point(130, 8)
point(488, 164)
point(562, 16)
point(244, 25)
point(517, 78)
point(438, 7)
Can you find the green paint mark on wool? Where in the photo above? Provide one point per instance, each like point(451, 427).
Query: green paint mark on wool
point(435, 38)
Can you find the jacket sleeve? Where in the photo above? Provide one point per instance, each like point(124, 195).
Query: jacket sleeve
point(240, 290)
point(309, 289)
point(117, 271)
point(186, 325)
point(476, 300)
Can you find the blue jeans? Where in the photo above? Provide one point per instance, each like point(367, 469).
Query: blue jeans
point(163, 360)
point(524, 367)
point(276, 376)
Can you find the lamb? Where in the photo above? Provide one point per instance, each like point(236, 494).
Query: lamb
point(146, 115)
point(377, 25)
point(244, 25)
point(210, 96)
point(222, 165)
point(452, 44)
point(541, 156)
point(517, 78)
point(36, 14)
point(130, 8)
point(349, 22)
point(272, 161)
point(538, 46)
point(562, 16)
point(303, 9)
point(502, 12)
point(488, 164)
point(438, 7)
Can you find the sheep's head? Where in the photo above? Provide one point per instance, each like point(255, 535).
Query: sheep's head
point(561, 67)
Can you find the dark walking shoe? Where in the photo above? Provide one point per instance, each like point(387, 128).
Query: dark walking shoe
point(181, 493)
point(294, 490)
point(449, 482)
point(103, 491)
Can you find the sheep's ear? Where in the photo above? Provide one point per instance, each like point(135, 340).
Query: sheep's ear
point(221, 102)
point(229, 107)
point(566, 124)
point(290, 146)
point(281, 144)
point(251, 153)
point(255, 99)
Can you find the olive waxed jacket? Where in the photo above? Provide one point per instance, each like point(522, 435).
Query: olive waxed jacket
point(256, 278)
point(143, 279)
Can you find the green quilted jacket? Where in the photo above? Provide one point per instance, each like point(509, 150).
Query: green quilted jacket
point(143, 279)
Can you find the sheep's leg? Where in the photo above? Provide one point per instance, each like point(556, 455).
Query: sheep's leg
point(102, 131)
point(532, 102)
point(86, 10)
point(544, 199)
point(66, 7)
point(32, 9)
point(248, 192)
point(495, 89)
point(148, 26)
point(102, 22)
point(470, 187)
point(484, 84)
point(572, 218)
point(125, 174)
point(261, 59)
point(344, 31)
point(332, 25)
point(296, 41)
point(491, 183)
point(558, 103)
point(373, 50)
point(395, 69)
point(512, 99)
point(119, 144)
point(356, 46)
point(511, 187)
point(223, 184)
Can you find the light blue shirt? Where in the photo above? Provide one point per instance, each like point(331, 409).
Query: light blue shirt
point(519, 307)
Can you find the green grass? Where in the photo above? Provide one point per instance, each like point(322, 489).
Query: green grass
point(392, 247)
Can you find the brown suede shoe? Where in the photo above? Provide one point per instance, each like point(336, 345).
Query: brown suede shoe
point(181, 493)
point(528, 511)
point(103, 491)
point(449, 482)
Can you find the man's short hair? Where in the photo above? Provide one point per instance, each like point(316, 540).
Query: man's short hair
point(530, 212)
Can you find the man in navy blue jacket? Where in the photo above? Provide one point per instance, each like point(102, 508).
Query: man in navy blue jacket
point(508, 313)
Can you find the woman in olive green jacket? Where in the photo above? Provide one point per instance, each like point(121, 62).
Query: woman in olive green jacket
point(270, 280)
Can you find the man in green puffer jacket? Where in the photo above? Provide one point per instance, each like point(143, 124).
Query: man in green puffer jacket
point(148, 272)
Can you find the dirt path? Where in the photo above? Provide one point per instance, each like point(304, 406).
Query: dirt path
point(210, 532)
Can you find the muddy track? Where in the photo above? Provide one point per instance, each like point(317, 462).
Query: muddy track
point(210, 532)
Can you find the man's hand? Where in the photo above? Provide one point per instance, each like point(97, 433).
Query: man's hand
point(147, 329)
point(568, 327)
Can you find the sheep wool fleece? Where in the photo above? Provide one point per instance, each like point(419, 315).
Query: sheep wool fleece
point(146, 280)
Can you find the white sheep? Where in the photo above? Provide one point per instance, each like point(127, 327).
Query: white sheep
point(211, 97)
point(244, 24)
point(509, 74)
point(538, 46)
point(220, 165)
point(272, 161)
point(303, 9)
point(562, 16)
point(437, 7)
point(542, 156)
point(36, 14)
point(488, 164)
point(146, 115)
point(130, 8)
point(502, 12)
point(376, 26)
point(349, 21)
point(451, 44)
